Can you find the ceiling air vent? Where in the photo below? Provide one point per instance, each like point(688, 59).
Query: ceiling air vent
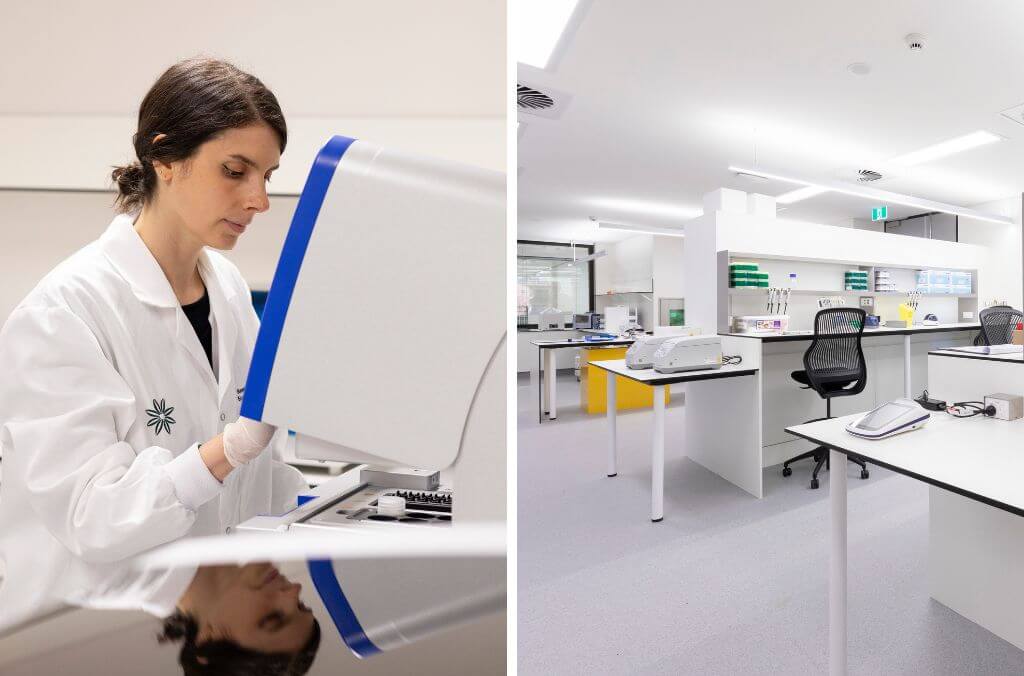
point(540, 101)
point(867, 175)
point(532, 99)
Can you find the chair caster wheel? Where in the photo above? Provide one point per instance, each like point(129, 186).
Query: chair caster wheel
point(864, 474)
point(786, 471)
point(814, 483)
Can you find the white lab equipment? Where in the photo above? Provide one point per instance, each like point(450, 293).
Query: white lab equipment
point(769, 324)
point(620, 318)
point(640, 354)
point(366, 220)
point(893, 417)
point(688, 353)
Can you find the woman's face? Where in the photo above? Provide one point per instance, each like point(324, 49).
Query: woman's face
point(217, 191)
point(259, 609)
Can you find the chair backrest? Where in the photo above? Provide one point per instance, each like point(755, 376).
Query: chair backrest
point(835, 355)
point(998, 323)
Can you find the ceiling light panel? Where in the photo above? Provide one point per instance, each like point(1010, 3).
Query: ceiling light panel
point(643, 207)
point(946, 148)
point(800, 194)
point(541, 24)
point(884, 196)
point(642, 229)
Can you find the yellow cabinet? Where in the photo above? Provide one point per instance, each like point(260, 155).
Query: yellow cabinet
point(594, 383)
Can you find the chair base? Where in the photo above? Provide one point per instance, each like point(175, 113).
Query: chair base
point(820, 455)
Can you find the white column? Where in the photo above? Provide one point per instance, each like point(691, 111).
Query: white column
point(551, 378)
point(611, 413)
point(658, 457)
point(908, 393)
point(837, 567)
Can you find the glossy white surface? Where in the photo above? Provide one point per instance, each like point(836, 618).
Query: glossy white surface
point(979, 455)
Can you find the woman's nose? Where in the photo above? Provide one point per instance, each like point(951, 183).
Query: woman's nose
point(258, 198)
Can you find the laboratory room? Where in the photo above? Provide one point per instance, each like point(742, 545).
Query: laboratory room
point(221, 449)
point(769, 361)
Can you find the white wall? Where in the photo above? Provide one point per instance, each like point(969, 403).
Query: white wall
point(1002, 277)
point(668, 270)
point(40, 229)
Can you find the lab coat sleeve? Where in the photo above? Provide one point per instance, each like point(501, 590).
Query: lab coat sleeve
point(65, 410)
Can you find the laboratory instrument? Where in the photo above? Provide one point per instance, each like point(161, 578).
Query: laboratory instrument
point(893, 417)
point(374, 402)
point(689, 353)
point(640, 354)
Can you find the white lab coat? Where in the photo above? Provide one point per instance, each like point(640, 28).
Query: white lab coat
point(105, 394)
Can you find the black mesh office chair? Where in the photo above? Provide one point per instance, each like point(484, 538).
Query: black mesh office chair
point(833, 367)
point(997, 325)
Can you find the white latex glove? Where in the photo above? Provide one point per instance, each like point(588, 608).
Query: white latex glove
point(244, 439)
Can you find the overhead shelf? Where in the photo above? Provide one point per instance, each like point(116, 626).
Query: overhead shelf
point(747, 291)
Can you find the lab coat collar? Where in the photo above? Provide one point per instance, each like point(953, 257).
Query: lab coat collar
point(225, 329)
point(133, 259)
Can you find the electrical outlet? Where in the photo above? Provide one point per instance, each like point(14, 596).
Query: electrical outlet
point(968, 315)
point(867, 301)
point(1008, 406)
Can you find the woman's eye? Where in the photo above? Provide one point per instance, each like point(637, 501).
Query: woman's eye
point(232, 174)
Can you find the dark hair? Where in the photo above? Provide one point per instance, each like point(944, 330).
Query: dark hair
point(223, 656)
point(190, 103)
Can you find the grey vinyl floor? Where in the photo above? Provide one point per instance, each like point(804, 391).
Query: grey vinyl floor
point(726, 584)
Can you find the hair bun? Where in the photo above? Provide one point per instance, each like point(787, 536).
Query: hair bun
point(130, 182)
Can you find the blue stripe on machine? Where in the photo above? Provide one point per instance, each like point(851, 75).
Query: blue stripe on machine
point(326, 583)
point(288, 266)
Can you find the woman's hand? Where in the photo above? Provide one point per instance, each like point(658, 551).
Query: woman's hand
point(245, 439)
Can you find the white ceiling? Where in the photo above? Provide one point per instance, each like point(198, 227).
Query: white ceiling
point(322, 58)
point(666, 94)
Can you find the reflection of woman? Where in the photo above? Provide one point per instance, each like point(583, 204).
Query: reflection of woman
point(124, 369)
point(246, 620)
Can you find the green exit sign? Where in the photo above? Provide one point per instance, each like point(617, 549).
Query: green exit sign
point(879, 213)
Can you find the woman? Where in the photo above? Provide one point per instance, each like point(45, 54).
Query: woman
point(123, 370)
point(243, 620)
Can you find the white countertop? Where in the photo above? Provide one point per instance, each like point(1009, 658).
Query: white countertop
point(652, 377)
point(979, 457)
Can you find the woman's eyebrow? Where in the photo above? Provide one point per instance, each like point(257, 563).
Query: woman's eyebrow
point(243, 158)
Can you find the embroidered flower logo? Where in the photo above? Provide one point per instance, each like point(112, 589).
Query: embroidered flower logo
point(160, 416)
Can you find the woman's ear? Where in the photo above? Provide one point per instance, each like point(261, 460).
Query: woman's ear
point(164, 172)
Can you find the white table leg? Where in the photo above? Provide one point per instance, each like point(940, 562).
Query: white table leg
point(907, 392)
point(658, 457)
point(837, 572)
point(551, 377)
point(612, 436)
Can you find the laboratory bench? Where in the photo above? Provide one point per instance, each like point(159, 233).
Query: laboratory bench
point(976, 536)
point(897, 363)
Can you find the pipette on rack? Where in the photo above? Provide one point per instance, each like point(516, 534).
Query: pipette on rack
point(785, 309)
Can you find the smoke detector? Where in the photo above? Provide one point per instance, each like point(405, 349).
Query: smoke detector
point(915, 41)
point(540, 101)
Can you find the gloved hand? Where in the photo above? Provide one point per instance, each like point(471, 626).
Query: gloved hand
point(244, 439)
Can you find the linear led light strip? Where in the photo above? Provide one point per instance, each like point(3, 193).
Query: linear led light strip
point(884, 196)
point(585, 259)
point(671, 232)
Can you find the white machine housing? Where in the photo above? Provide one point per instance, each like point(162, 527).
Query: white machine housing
point(892, 417)
point(640, 354)
point(689, 353)
point(367, 223)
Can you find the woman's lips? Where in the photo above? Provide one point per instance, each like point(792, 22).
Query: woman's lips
point(237, 227)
